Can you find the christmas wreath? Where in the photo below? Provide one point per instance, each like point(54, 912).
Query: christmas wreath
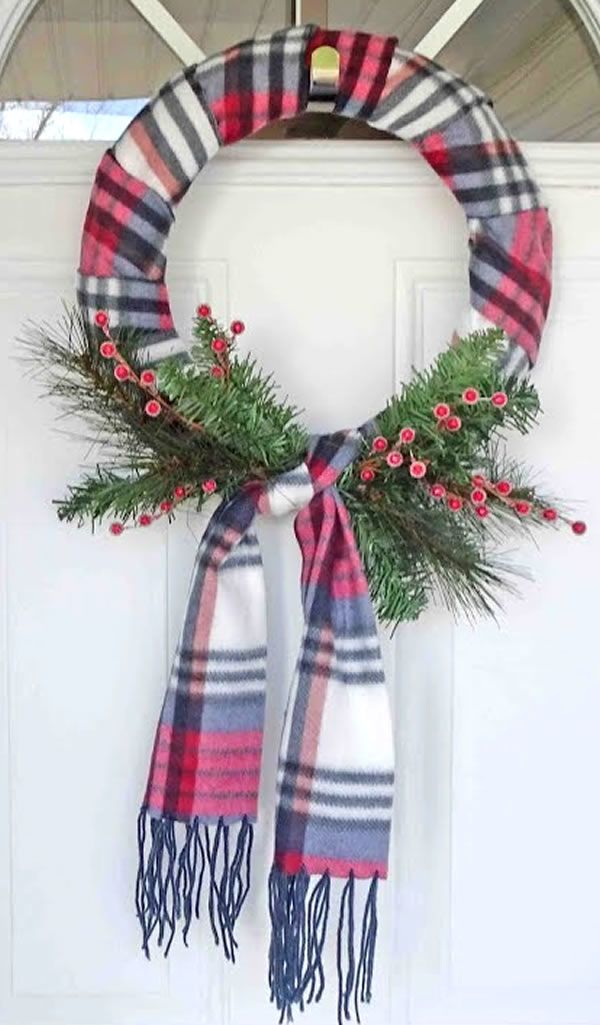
point(415, 503)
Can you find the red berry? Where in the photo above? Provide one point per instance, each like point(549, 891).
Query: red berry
point(522, 508)
point(152, 408)
point(238, 327)
point(121, 372)
point(116, 528)
point(108, 350)
point(478, 481)
point(579, 527)
point(180, 492)
point(204, 310)
point(441, 411)
point(145, 520)
point(454, 423)
point(482, 511)
point(379, 443)
point(408, 435)
point(499, 399)
point(550, 515)
point(478, 496)
point(367, 474)
point(504, 487)
point(470, 396)
point(417, 468)
point(438, 491)
point(101, 318)
point(148, 377)
point(454, 502)
point(394, 458)
point(166, 506)
point(217, 371)
point(218, 345)
point(209, 486)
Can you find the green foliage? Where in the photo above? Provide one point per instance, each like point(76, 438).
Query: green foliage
point(413, 547)
point(222, 418)
point(418, 551)
point(247, 431)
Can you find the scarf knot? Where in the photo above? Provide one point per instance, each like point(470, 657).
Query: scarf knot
point(327, 457)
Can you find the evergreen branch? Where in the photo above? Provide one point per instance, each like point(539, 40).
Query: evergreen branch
point(220, 421)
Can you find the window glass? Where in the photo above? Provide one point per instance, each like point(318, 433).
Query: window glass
point(70, 74)
point(80, 69)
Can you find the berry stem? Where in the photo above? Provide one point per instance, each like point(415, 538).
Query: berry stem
point(166, 407)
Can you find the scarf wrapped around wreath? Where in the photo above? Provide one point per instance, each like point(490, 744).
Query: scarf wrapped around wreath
point(335, 779)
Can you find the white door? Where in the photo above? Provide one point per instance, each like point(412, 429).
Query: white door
point(348, 263)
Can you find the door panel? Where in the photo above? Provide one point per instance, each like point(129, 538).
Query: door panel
point(348, 263)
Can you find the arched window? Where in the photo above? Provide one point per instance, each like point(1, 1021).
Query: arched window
point(79, 69)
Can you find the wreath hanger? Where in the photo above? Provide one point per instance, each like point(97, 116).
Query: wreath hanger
point(324, 75)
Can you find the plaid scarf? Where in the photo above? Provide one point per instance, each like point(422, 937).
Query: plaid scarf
point(335, 779)
point(335, 775)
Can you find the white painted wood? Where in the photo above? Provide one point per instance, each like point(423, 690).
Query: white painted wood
point(589, 12)
point(447, 27)
point(296, 164)
point(13, 15)
point(491, 913)
point(166, 26)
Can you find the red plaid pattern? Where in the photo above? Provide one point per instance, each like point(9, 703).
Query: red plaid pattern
point(510, 274)
point(454, 126)
point(232, 95)
point(125, 227)
point(256, 82)
point(205, 775)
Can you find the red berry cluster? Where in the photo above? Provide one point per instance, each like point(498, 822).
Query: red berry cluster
point(502, 491)
point(451, 421)
point(153, 408)
point(221, 346)
point(146, 380)
point(124, 372)
point(477, 498)
point(456, 497)
point(397, 454)
point(180, 494)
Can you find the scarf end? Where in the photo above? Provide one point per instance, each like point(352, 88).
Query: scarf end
point(171, 870)
point(299, 915)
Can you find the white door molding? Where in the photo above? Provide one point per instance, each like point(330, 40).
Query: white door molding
point(13, 15)
point(451, 22)
point(589, 13)
point(301, 162)
point(169, 30)
point(446, 27)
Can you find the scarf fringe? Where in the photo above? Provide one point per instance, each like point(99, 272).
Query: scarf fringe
point(169, 880)
point(298, 935)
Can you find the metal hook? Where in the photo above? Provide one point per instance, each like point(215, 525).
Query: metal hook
point(325, 60)
point(324, 74)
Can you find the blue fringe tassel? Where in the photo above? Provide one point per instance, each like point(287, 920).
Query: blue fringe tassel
point(169, 880)
point(298, 934)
